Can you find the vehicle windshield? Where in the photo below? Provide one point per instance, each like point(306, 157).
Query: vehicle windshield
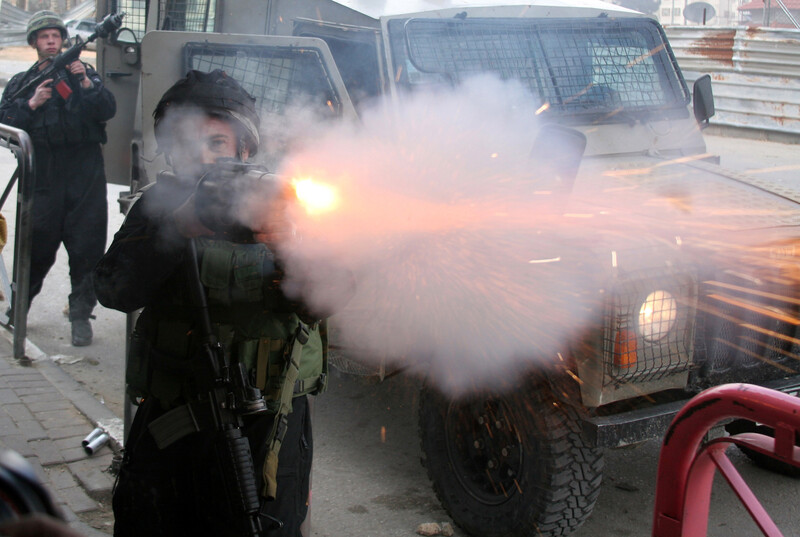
point(593, 66)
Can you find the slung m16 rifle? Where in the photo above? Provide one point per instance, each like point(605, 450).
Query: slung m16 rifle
point(111, 23)
point(230, 396)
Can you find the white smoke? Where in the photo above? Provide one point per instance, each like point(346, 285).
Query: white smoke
point(437, 221)
point(466, 262)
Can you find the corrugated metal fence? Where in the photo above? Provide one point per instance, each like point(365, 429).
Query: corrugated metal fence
point(12, 24)
point(755, 73)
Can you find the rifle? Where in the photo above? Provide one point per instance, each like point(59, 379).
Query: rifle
point(111, 23)
point(230, 395)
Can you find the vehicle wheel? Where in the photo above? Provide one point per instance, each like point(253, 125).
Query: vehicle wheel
point(759, 459)
point(509, 466)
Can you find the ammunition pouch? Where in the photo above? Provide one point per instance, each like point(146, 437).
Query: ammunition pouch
point(197, 415)
point(181, 421)
point(156, 366)
point(283, 357)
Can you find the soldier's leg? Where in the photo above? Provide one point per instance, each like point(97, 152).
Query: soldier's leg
point(48, 211)
point(294, 470)
point(155, 493)
point(85, 228)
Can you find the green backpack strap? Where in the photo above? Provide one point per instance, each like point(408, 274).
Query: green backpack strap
point(317, 385)
point(294, 351)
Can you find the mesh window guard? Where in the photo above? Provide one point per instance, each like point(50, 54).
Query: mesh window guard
point(277, 77)
point(287, 82)
point(135, 18)
point(574, 65)
point(187, 15)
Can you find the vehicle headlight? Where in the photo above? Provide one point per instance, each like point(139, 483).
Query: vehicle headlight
point(657, 315)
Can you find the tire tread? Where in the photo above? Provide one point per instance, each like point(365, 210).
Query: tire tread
point(560, 504)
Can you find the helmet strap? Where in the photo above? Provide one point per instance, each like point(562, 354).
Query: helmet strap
point(241, 147)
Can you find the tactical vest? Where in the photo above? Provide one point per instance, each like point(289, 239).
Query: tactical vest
point(249, 318)
point(60, 122)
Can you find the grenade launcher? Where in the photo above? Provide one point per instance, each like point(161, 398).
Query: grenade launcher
point(223, 193)
point(54, 69)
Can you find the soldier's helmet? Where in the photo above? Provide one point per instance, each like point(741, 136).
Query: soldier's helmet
point(42, 20)
point(216, 94)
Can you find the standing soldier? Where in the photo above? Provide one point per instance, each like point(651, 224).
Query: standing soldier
point(171, 482)
point(65, 117)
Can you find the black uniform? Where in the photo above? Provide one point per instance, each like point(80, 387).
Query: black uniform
point(179, 490)
point(69, 203)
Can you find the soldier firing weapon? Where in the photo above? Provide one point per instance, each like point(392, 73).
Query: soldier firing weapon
point(226, 393)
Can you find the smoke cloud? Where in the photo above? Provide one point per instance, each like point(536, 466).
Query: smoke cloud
point(470, 261)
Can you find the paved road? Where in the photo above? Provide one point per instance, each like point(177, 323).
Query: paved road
point(367, 476)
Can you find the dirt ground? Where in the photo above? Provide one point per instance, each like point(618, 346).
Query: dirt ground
point(102, 519)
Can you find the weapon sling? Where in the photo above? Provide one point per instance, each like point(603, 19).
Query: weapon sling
point(292, 354)
point(194, 416)
point(233, 448)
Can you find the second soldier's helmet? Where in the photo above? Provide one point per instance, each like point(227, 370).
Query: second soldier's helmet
point(42, 20)
point(215, 93)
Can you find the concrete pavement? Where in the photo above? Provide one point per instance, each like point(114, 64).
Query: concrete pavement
point(44, 416)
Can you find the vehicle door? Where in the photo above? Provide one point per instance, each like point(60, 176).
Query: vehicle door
point(119, 63)
point(286, 75)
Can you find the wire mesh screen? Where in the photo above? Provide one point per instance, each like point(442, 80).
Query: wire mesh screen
point(751, 332)
point(276, 76)
point(286, 81)
point(574, 65)
point(187, 15)
point(649, 327)
point(135, 18)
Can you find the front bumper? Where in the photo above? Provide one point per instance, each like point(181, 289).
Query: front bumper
point(647, 423)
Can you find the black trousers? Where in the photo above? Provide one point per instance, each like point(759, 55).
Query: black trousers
point(179, 491)
point(69, 206)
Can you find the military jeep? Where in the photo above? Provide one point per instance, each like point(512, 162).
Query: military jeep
point(527, 460)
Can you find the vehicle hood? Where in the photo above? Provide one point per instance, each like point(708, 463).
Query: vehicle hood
point(687, 188)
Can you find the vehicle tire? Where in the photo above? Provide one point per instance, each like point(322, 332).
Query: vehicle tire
point(509, 466)
point(759, 459)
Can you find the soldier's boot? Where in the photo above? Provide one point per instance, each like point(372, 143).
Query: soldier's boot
point(81, 333)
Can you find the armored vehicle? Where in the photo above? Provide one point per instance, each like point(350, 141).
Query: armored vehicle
point(664, 324)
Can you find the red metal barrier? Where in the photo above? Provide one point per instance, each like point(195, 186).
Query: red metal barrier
point(686, 466)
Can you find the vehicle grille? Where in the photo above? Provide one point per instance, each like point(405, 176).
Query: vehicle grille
point(750, 332)
point(280, 79)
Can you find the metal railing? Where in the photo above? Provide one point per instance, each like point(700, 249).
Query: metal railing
point(687, 465)
point(24, 177)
